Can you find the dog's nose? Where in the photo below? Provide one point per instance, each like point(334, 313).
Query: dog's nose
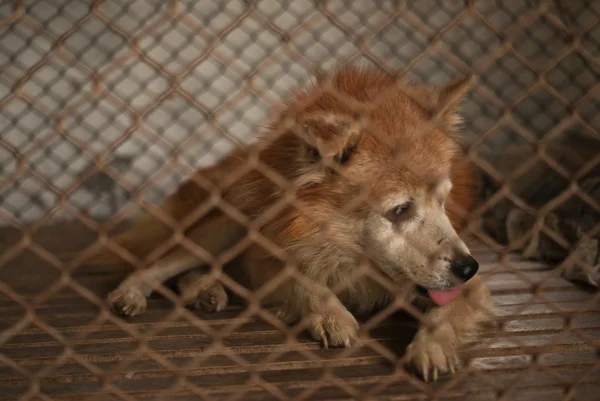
point(464, 267)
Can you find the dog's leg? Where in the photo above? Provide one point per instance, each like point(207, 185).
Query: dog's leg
point(214, 235)
point(199, 290)
point(330, 321)
point(435, 347)
point(130, 297)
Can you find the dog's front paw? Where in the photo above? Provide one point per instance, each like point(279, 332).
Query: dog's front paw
point(429, 355)
point(127, 301)
point(336, 328)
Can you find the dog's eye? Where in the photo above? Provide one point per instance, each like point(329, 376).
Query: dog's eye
point(399, 210)
point(400, 213)
point(313, 153)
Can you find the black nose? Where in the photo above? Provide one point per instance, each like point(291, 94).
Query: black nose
point(464, 267)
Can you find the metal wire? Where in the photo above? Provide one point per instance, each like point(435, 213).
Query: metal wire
point(107, 106)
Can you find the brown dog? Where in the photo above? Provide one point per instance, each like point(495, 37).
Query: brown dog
point(351, 169)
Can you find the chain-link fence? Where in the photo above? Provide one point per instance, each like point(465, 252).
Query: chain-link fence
point(300, 211)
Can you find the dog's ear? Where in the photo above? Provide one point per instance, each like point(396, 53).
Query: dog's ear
point(329, 137)
point(447, 99)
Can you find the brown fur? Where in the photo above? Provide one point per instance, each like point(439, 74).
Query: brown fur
point(367, 136)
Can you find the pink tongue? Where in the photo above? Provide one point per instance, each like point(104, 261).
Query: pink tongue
point(443, 297)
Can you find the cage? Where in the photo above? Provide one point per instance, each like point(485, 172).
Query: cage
point(107, 106)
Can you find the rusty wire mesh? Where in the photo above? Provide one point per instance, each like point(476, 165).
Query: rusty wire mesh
point(108, 106)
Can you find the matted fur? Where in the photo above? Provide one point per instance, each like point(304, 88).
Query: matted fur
point(348, 150)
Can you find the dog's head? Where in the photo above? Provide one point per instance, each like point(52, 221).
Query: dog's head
point(393, 182)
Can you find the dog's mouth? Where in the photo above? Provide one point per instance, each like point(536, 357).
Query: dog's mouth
point(440, 297)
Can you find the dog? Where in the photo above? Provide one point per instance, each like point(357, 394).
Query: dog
point(356, 170)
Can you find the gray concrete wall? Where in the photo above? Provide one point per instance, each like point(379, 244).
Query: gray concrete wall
point(90, 87)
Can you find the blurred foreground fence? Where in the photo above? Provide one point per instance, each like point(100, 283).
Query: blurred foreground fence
point(106, 106)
